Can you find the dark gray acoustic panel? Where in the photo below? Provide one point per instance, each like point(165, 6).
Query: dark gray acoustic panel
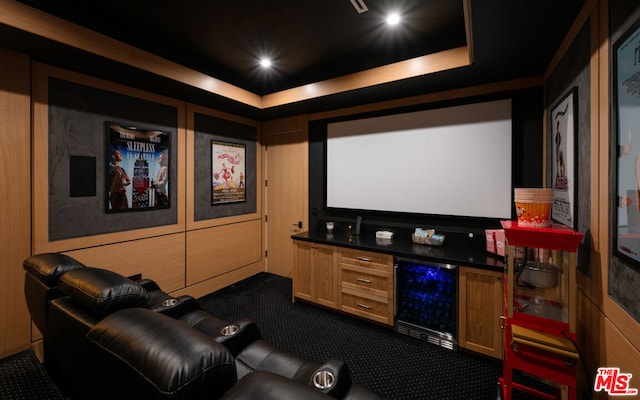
point(206, 130)
point(77, 115)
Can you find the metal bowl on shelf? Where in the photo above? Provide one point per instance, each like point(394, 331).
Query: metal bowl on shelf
point(540, 275)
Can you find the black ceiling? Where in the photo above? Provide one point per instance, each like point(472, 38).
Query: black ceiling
point(309, 41)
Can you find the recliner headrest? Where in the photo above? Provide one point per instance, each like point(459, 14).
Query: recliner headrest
point(102, 291)
point(49, 267)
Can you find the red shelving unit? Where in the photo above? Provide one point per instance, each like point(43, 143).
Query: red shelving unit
point(540, 321)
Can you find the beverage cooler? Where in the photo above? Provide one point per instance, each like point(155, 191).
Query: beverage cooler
point(426, 301)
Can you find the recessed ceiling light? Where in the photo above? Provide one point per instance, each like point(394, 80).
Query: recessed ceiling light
point(265, 63)
point(393, 19)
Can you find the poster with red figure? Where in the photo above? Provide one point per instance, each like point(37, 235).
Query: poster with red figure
point(228, 163)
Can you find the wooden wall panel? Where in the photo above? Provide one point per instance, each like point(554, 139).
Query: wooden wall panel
point(215, 251)
point(220, 281)
point(159, 258)
point(284, 125)
point(603, 344)
point(15, 195)
point(422, 65)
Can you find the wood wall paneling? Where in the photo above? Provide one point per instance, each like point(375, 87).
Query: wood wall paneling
point(15, 194)
point(160, 258)
point(428, 64)
point(218, 250)
point(282, 125)
point(218, 282)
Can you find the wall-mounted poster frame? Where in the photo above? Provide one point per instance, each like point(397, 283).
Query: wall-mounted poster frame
point(228, 172)
point(626, 125)
point(137, 170)
point(564, 120)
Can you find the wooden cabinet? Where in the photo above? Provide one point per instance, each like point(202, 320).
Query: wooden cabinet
point(361, 283)
point(366, 284)
point(315, 274)
point(479, 311)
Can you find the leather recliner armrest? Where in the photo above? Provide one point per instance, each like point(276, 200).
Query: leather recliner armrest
point(174, 307)
point(235, 336)
point(268, 386)
point(264, 356)
point(332, 378)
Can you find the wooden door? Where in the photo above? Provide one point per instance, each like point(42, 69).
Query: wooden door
point(286, 195)
point(302, 271)
point(480, 308)
point(325, 276)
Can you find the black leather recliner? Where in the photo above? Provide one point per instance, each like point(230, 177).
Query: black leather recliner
point(251, 352)
point(105, 334)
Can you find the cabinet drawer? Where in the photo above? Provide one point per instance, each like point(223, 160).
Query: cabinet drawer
point(372, 281)
point(371, 307)
point(383, 262)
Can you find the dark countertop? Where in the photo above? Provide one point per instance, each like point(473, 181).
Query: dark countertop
point(401, 246)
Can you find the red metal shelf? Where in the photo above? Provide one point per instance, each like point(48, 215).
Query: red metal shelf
point(555, 237)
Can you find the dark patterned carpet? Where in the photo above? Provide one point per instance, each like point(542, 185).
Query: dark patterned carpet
point(395, 366)
point(23, 378)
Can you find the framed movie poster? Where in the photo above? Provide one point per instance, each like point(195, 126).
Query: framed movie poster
point(137, 170)
point(626, 123)
point(228, 164)
point(563, 117)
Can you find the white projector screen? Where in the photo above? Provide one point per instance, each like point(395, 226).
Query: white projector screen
point(448, 161)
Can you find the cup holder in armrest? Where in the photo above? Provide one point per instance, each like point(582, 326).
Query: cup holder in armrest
point(229, 330)
point(175, 307)
point(332, 378)
point(170, 302)
point(323, 379)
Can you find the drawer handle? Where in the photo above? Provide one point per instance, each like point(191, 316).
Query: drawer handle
point(364, 280)
point(366, 307)
point(364, 259)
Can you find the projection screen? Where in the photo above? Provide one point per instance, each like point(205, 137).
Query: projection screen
point(447, 161)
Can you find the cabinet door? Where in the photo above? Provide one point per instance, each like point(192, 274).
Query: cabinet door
point(302, 271)
point(480, 309)
point(325, 281)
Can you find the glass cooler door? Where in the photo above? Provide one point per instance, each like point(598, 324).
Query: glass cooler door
point(426, 295)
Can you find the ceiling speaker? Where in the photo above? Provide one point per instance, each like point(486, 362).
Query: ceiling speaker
point(359, 6)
